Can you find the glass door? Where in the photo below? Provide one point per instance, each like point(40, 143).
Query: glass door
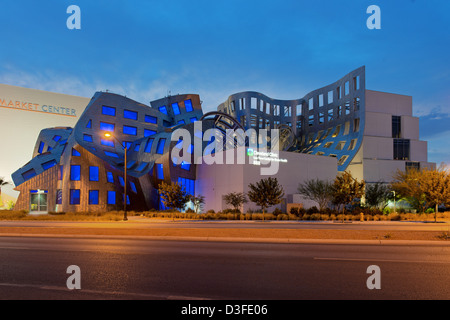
point(38, 202)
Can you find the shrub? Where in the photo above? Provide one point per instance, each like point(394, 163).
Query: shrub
point(312, 210)
point(277, 211)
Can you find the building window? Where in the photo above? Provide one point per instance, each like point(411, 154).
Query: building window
point(107, 142)
point(74, 196)
point(160, 148)
point(57, 138)
point(109, 177)
point(59, 196)
point(75, 173)
point(133, 187)
point(185, 165)
point(396, 127)
point(127, 144)
point(188, 185)
point(111, 154)
point(181, 121)
point(401, 149)
point(136, 147)
point(128, 114)
point(93, 174)
point(93, 196)
point(175, 108)
point(193, 119)
point(130, 130)
point(151, 119)
point(47, 165)
point(41, 147)
point(87, 138)
point(75, 153)
point(89, 124)
point(412, 165)
point(121, 181)
point(148, 132)
point(61, 172)
point(159, 171)
point(188, 105)
point(28, 174)
point(111, 197)
point(109, 111)
point(105, 126)
point(148, 145)
point(163, 109)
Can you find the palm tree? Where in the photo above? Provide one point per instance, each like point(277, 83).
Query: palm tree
point(3, 182)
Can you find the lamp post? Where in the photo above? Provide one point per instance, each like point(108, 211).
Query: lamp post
point(125, 148)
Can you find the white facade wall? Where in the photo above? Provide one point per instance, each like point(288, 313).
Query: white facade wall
point(214, 181)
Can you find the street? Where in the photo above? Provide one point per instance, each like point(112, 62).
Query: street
point(36, 268)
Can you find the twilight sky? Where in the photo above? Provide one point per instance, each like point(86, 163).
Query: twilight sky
point(284, 49)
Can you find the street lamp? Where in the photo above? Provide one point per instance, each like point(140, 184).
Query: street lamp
point(125, 148)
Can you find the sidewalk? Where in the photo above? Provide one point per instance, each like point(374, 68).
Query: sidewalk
point(142, 229)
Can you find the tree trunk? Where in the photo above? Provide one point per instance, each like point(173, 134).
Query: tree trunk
point(436, 212)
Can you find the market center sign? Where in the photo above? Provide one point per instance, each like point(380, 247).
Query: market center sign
point(36, 107)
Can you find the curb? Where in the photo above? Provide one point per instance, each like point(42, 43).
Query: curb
point(247, 240)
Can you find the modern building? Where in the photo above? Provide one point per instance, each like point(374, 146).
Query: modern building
point(24, 112)
point(341, 126)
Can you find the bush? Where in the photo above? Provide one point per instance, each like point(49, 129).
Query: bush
point(312, 210)
point(277, 211)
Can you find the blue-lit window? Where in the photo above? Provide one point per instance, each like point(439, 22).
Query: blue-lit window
point(188, 105)
point(111, 154)
point(136, 147)
point(74, 196)
point(141, 166)
point(133, 187)
point(61, 172)
point(93, 174)
point(49, 149)
point(57, 138)
point(148, 146)
point(28, 174)
point(148, 132)
point(151, 119)
point(75, 173)
point(109, 111)
point(160, 148)
point(159, 171)
point(121, 181)
point(163, 109)
point(126, 144)
point(185, 165)
point(87, 138)
point(123, 198)
point(193, 119)
point(181, 122)
point(47, 165)
point(111, 197)
point(109, 177)
point(89, 124)
point(105, 126)
point(93, 196)
point(175, 108)
point(128, 114)
point(188, 185)
point(130, 130)
point(59, 196)
point(75, 152)
point(107, 142)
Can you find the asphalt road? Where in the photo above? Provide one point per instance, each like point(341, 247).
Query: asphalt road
point(36, 268)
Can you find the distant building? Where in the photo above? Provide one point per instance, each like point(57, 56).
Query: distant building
point(339, 127)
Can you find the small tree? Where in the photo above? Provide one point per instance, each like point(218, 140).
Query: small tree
point(436, 187)
point(378, 195)
point(198, 202)
point(173, 196)
point(408, 185)
point(346, 189)
point(317, 190)
point(235, 199)
point(3, 182)
point(266, 193)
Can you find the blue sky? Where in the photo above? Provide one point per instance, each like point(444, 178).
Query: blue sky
point(284, 49)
